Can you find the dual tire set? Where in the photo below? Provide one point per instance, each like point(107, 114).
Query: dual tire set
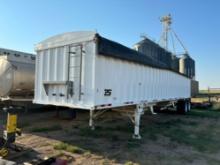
point(183, 106)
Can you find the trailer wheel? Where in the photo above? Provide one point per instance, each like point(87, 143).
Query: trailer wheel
point(157, 109)
point(185, 106)
point(188, 105)
point(182, 106)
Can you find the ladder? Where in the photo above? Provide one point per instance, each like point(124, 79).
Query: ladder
point(74, 77)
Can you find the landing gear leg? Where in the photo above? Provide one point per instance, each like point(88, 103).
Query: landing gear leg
point(137, 117)
point(91, 120)
point(152, 110)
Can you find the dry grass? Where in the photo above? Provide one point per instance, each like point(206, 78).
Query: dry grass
point(69, 148)
point(166, 139)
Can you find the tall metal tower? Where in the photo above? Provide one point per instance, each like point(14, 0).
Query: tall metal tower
point(166, 22)
point(169, 32)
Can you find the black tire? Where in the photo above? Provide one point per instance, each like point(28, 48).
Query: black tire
point(157, 109)
point(188, 105)
point(181, 107)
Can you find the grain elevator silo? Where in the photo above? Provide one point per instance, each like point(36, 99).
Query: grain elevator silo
point(175, 63)
point(187, 66)
point(158, 54)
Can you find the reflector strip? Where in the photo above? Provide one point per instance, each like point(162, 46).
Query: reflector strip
point(129, 102)
point(103, 105)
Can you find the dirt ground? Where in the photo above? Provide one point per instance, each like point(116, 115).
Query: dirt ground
point(167, 138)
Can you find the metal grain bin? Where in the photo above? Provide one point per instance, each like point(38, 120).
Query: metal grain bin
point(187, 66)
point(154, 51)
point(175, 63)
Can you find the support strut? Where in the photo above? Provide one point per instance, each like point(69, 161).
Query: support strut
point(152, 110)
point(137, 117)
point(91, 122)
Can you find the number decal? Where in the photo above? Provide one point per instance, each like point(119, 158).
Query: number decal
point(108, 92)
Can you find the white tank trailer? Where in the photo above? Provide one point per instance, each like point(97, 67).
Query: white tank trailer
point(84, 70)
point(17, 74)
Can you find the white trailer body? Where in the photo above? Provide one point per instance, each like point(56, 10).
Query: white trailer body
point(78, 70)
point(70, 72)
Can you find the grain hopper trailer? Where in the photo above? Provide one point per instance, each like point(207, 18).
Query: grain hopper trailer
point(84, 70)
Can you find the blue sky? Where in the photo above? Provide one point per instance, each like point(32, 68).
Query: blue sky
point(24, 23)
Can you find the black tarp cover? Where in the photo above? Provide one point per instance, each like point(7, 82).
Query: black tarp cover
point(113, 49)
